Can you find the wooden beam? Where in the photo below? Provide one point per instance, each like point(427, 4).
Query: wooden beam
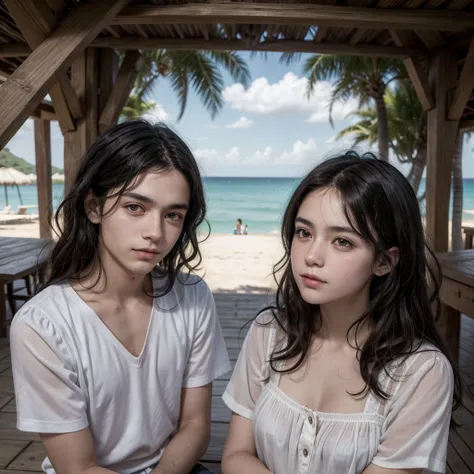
point(43, 176)
point(36, 22)
point(431, 39)
point(71, 97)
point(123, 86)
point(465, 86)
point(33, 79)
point(466, 125)
point(291, 14)
point(75, 142)
point(44, 111)
point(417, 74)
point(136, 42)
point(92, 95)
point(108, 70)
point(441, 145)
point(14, 50)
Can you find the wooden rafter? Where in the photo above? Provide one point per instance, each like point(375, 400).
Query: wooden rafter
point(136, 42)
point(415, 70)
point(465, 86)
point(467, 125)
point(14, 50)
point(121, 90)
point(291, 14)
point(36, 22)
point(31, 81)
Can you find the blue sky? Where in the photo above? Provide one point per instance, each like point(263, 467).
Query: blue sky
point(269, 129)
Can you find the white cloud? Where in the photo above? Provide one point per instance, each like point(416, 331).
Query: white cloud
point(301, 152)
point(243, 122)
point(157, 114)
point(288, 96)
point(233, 155)
point(204, 155)
point(263, 157)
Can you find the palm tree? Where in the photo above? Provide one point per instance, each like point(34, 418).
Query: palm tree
point(407, 129)
point(136, 107)
point(361, 77)
point(197, 70)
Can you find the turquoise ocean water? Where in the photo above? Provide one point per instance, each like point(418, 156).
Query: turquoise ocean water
point(259, 202)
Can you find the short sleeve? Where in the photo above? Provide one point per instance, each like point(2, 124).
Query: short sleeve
point(416, 429)
point(208, 358)
point(251, 369)
point(48, 397)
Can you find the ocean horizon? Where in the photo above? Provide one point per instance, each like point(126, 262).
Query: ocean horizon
point(259, 202)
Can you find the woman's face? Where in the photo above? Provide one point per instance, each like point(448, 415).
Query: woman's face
point(329, 260)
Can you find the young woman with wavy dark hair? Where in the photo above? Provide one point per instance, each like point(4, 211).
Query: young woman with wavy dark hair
point(113, 360)
point(346, 373)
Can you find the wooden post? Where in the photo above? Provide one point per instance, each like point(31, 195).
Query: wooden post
point(84, 80)
point(109, 66)
point(43, 176)
point(441, 147)
point(123, 86)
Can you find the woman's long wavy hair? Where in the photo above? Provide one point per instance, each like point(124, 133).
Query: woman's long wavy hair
point(114, 162)
point(404, 304)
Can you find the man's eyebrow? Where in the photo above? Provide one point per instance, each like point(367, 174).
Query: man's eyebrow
point(178, 207)
point(138, 197)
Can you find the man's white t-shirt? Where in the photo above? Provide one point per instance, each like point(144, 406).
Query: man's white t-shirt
point(70, 372)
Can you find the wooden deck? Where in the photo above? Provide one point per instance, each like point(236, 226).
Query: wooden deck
point(23, 453)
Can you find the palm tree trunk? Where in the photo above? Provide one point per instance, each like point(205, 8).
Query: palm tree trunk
point(382, 127)
point(456, 231)
point(417, 169)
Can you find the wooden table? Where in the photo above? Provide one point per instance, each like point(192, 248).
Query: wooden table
point(457, 293)
point(19, 257)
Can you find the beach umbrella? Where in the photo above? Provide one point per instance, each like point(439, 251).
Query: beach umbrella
point(32, 177)
point(58, 177)
point(12, 177)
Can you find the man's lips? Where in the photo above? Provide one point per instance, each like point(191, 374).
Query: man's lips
point(147, 253)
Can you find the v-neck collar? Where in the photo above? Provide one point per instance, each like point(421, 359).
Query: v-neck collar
point(96, 319)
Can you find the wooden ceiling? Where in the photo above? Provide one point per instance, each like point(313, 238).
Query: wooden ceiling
point(406, 29)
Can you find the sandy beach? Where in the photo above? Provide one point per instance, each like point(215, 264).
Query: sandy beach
point(231, 263)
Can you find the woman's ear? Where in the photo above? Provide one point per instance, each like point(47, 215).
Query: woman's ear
point(383, 266)
point(92, 208)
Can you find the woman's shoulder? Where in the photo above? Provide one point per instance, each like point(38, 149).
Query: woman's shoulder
point(426, 365)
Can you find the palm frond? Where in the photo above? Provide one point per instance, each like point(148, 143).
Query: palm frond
point(290, 58)
point(206, 81)
point(233, 64)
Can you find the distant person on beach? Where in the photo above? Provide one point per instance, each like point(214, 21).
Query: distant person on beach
point(238, 227)
point(113, 360)
point(346, 372)
point(246, 229)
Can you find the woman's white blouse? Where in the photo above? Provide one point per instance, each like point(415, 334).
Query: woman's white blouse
point(408, 431)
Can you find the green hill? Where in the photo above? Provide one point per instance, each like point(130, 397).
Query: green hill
point(7, 158)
